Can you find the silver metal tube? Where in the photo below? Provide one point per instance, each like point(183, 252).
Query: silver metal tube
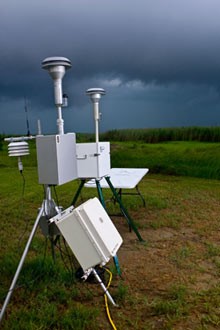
point(39, 127)
point(96, 117)
point(19, 138)
point(14, 281)
point(103, 287)
point(60, 121)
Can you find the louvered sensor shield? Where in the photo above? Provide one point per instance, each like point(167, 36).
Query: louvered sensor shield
point(18, 149)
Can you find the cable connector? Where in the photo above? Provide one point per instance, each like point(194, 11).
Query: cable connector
point(20, 165)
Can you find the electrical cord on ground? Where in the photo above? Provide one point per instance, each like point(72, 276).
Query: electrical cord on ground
point(106, 299)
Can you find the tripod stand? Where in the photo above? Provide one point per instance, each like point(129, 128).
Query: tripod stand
point(48, 210)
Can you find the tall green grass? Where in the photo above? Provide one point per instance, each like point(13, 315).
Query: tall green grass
point(183, 158)
point(156, 135)
point(195, 159)
point(153, 135)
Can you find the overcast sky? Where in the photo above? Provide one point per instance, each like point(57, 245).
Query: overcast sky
point(158, 60)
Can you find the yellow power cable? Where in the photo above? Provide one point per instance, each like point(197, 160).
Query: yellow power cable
point(106, 301)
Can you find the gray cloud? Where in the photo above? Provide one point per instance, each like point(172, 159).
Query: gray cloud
point(160, 58)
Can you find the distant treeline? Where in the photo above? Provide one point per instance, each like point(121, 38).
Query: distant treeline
point(156, 135)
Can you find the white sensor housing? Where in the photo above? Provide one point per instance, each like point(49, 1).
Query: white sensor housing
point(56, 158)
point(89, 232)
point(18, 149)
point(93, 159)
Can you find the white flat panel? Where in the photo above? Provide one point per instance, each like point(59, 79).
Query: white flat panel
point(124, 178)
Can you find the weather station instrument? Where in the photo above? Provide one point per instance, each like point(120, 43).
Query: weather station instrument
point(18, 149)
point(86, 228)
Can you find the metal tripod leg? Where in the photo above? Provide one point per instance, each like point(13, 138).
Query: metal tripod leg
point(101, 198)
point(123, 210)
point(103, 287)
point(19, 268)
point(100, 194)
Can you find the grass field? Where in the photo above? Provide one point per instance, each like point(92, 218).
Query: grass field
point(171, 281)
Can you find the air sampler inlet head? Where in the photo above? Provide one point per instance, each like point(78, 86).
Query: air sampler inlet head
point(57, 66)
point(95, 94)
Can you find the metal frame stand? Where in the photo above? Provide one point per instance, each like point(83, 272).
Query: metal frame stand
point(48, 209)
point(138, 193)
point(117, 198)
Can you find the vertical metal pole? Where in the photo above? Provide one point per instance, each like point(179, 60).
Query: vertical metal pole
point(19, 268)
point(102, 200)
point(124, 211)
point(103, 287)
point(60, 121)
point(96, 117)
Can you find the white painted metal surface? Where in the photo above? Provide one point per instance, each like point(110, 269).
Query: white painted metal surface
point(56, 157)
point(89, 232)
point(93, 159)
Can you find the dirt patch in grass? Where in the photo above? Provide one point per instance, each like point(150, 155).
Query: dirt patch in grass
point(172, 278)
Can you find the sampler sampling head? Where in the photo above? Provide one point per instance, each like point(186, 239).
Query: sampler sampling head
point(95, 94)
point(57, 67)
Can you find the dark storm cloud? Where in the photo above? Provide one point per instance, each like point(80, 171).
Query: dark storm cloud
point(172, 46)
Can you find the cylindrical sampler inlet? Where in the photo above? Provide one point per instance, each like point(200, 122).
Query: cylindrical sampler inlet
point(95, 95)
point(57, 67)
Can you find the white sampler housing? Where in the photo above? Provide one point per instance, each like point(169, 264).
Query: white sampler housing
point(89, 232)
point(56, 158)
point(93, 159)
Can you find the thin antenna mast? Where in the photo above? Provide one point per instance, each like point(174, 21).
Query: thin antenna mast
point(26, 113)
